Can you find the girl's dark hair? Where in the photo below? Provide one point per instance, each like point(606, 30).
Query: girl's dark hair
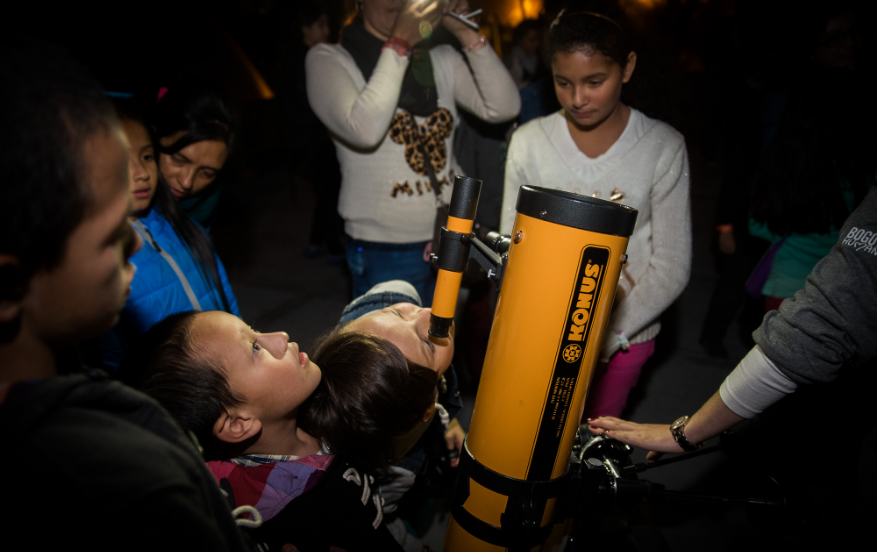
point(369, 395)
point(587, 32)
point(201, 114)
point(163, 201)
point(166, 365)
point(602, 26)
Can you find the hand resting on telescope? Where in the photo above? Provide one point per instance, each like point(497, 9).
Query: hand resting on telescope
point(710, 420)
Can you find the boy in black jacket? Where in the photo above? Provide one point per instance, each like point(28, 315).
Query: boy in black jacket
point(85, 461)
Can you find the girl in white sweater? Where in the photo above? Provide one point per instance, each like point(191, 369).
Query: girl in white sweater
point(598, 146)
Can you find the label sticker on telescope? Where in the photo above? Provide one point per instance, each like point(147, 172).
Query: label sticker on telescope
point(577, 326)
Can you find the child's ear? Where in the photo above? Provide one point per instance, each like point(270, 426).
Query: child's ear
point(628, 69)
point(236, 426)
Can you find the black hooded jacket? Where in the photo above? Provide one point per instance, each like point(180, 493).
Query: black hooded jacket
point(91, 463)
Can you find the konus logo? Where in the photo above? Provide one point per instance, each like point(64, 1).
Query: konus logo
point(589, 288)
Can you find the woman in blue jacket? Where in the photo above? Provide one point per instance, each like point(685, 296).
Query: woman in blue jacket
point(177, 267)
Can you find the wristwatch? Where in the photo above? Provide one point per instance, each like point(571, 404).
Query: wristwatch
point(677, 428)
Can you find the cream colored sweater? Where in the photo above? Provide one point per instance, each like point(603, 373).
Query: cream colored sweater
point(383, 199)
point(649, 165)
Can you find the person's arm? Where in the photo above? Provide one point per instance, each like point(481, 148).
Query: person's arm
point(710, 420)
point(831, 323)
point(487, 90)
point(755, 384)
point(358, 117)
point(670, 262)
point(361, 117)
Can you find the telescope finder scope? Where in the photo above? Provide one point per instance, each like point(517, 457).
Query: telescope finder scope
point(453, 253)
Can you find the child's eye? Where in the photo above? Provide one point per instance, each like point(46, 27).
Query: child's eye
point(256, 348)
point(596, 83)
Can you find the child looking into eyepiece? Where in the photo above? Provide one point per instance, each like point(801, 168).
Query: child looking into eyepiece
point(600, 147)
point(245, 395)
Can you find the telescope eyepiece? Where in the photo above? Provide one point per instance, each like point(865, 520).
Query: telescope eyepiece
point(439, 326)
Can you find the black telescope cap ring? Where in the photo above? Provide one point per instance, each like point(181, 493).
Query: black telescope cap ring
point(439, 326)
point(577, 211)
point(464, 200)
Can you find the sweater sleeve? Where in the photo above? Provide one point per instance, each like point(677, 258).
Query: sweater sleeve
point(487, 91)
point(670, 261)
point(831, 321)
point(359, 117)
point(755, 384)
point(515, 177)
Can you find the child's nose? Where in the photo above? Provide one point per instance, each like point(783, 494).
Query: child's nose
point(276, 343)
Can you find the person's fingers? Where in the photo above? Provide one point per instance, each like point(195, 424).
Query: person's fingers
point(288, 548)
point(455, 462)
point(433, 9)
point(458, 6)
point(653, 456)
point(608, 422)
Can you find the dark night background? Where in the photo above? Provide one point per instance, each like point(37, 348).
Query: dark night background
point(702, 67)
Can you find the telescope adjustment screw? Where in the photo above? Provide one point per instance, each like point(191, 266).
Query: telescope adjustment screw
point(519, 235)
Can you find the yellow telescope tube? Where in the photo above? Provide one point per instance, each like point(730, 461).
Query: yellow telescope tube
point(557, 292)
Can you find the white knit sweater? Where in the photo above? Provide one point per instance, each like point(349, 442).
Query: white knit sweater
point(649, 164)
point(382, 198)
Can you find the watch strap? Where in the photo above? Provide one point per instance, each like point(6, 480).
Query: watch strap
point(677, 429)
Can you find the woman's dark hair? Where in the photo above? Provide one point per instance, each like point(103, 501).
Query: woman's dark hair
point(166, 365)
point(369, 395)
point(587, 32)
point(201, 114)
point(163, 201)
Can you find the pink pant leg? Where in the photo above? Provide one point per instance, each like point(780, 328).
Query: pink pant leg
point(608, 394)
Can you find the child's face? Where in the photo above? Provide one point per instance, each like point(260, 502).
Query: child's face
point(588, 85)
point(83, 295)
point(142, 167)
point(405, 325)
point(269, 373)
